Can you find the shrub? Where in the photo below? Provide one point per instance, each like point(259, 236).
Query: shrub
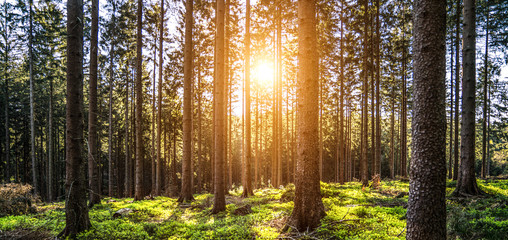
point(16, 199)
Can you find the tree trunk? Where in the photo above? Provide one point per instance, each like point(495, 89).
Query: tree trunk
point(457, 97)
point(365, 128)
point(466, 182)
point(341, 155)
point(450, 167)
point(128, 192)
point(247, 183)
point(111, 165)
point(485, 99)
point(76, 210)
point(426, 214)
point(186, 194)
point(219, 200)
point(377, 159)
point(32, 123)
point(138, 192)
point(403, 130)
point(158, 178)
point(93, 174)
point(309, 208)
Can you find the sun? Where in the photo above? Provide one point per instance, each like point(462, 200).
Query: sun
point(263, 73)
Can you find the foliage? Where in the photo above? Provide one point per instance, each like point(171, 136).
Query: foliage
point(352, 213)
point(16, 199)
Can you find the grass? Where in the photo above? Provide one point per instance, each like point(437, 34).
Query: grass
point(352, 213)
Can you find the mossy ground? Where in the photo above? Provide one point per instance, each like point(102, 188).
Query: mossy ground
point(352, 213)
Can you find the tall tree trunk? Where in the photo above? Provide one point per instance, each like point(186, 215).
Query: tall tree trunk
point(309, 208)
point(450, 167)
point(247, 183)
point(341, 155)
point(279, 96)
point(128, 167)
point(377, 159)
point(485, 99)
point(93, 173)
point(138, 192)
point(50, 141)
point(364, 133)
point(111, 165)
point(219, 204)
point(6, 109)
point(32, 123)
point(392, 139)
point(76, 210)
point(158, 178)
point(426, 213)
point(403, 130)
point(186, 194)
point(457, 96)
point(466, 182)
point(153, 131)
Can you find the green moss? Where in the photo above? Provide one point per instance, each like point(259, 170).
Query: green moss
point(352, 213)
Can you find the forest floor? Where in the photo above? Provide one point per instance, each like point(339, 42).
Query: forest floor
point(352, 213)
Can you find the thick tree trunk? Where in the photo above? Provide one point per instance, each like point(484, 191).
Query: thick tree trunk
point(247, 183)
point(426, 215)
point(219, 204)
point(76, 210)
point(186, 194)
point(466, 182)
point(138, 191)
point(93, 173)
point(309, 208)
point(158, 178)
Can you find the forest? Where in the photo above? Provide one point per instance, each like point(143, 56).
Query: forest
point(254, 119)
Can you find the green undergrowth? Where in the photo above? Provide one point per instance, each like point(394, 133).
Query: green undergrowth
point(352, 213)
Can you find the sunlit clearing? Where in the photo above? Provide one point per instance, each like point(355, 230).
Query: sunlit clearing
point(263, 74)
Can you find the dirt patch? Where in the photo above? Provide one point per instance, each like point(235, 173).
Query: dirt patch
point(25, 235)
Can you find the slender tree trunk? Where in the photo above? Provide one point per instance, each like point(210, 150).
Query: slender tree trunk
point(426, 212)
point(485, 99)
point(466, 182)
point(279, 96)
point(377, 159)
point(158, 178)
point(76, 210)
point(450, 167)
point(138, 195)
point(392, 139)
point(154, 131)
point(247, 183)
point(364, 125)
point(128, 192)
point(50, 142)
point(200, 157)
point(93, 173)
point(219, 200)
point(309, 208)
point(457, 97)
point(186, 194)
point(111, 165)
point(341, 155)
point(32, 123)
point(403, 130)
point(6, 109)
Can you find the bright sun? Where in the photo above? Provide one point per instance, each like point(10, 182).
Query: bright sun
point(263, 73)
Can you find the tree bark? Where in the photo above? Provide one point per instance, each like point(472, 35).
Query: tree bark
point(457, 97)
point(247, 183)
point(364, 133)
point(138, 191)
point(32, 123)
point(309, 208)
point(426, 215)
point(466, 182)
point(219, 204)
point(93, 173)
point(76, 210)
point(485, 99)
point(186, 194)
point(158, 178)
